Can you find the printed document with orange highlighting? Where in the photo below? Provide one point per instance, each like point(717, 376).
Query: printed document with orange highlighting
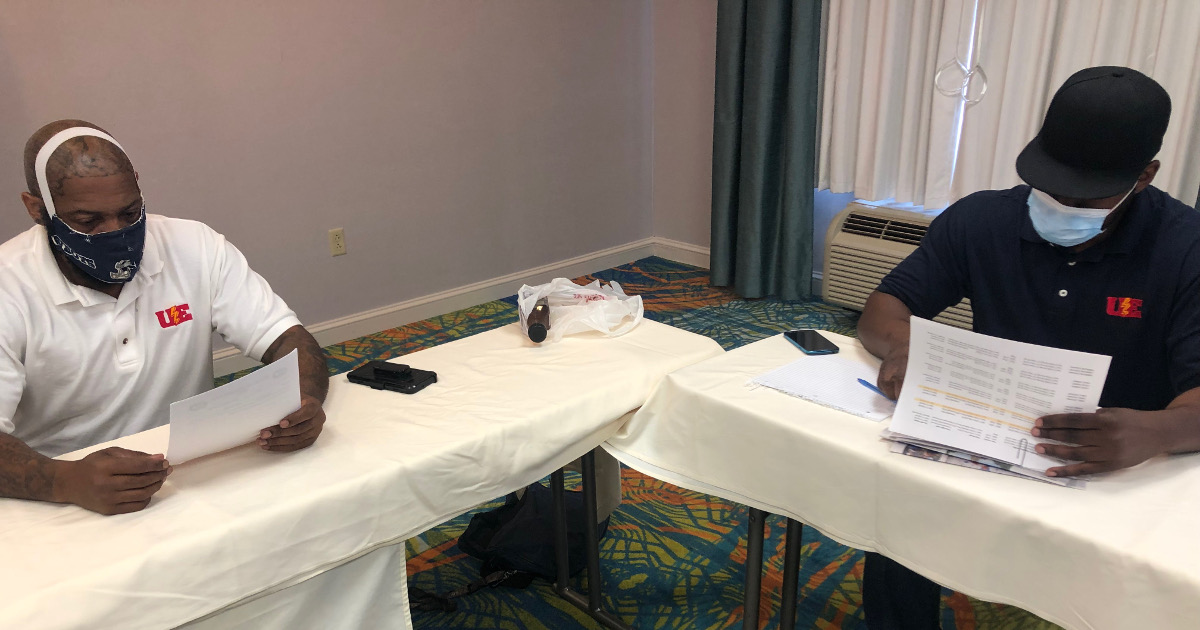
point(982, 394)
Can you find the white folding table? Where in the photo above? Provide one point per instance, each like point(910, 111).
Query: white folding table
point(1124, 553)
point(314, 539)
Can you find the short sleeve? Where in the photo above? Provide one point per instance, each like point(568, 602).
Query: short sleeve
point(933, 277)
point(12, 368)
point(1183, 332)
point(245, 311)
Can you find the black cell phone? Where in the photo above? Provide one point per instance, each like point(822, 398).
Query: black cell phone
point(810, 342)
point(395, 377)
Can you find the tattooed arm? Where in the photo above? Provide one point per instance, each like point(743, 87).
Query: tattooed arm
point(110, 481)
point(25, 473)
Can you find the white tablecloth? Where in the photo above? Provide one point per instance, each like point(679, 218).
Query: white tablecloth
point(229, 528)
point(1124, 553)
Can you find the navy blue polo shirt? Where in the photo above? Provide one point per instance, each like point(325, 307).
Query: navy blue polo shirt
point(1134, 297)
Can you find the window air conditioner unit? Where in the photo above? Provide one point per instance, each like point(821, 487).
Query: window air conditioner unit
point(863, 244)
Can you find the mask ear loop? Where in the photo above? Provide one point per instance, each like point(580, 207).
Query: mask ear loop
point(1118, 205)
point(1125, 198)
point(43, 158)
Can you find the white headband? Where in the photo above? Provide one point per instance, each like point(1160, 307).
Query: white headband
point(55, 141)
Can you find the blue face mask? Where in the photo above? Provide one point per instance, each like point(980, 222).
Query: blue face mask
point(110, 257)
point(1066, 225)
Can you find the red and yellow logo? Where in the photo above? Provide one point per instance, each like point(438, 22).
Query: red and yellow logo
point(175, 316)
point(1124, 307)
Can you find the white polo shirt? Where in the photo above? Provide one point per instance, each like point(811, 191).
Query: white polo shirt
point(79, 367)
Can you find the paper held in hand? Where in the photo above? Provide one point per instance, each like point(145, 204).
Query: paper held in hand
point(233, 414)
point(980, 395)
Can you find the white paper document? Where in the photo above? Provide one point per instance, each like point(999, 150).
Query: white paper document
point(831, 380)
point(233, 414)
point(982, 394)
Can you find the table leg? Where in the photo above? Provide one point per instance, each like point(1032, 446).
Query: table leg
point(791, 574)
point(561, 563)
point(591, 532)
point(754, 553)
point(590, 604)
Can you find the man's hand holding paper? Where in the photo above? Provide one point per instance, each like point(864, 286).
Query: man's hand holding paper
point(112, 480)
point(298, 430)
point(1115, 438)
point(1109, 439)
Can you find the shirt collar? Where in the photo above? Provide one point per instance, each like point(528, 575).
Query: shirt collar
point(63, 291)
point(1129, 233)
point(152, 260)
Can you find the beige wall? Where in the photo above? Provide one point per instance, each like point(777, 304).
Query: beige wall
point(685, 52)
point(455, 141)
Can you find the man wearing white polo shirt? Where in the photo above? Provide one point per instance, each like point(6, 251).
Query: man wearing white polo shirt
point(106, 318)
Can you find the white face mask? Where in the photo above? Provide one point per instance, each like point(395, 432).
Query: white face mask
point(1067, 225)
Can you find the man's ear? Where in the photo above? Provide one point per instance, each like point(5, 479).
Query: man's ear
point(1147, 176)
point(33, 205)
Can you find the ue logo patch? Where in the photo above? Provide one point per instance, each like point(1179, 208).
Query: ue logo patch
point(1124, 307)
point(174, 316)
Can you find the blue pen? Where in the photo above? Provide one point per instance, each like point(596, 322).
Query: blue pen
point(875, 389)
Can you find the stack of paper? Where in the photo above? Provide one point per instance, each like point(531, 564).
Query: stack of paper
point(831, 380)
point(971, 399)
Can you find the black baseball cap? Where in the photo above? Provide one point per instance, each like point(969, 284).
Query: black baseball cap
point(1103, 126)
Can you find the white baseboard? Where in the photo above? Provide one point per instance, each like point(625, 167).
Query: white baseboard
point(228, 360)
point(679, 251)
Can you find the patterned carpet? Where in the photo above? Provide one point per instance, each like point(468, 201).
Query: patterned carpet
point(672, 559)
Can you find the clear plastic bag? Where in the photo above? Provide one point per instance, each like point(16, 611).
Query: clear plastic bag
point(575, 308)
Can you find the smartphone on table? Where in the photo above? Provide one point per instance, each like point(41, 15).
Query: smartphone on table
point(810, 342)
point(395, 377)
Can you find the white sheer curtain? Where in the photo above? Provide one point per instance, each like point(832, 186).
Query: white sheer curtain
point(1031, 46)
point(878, 99)
point(887, 132)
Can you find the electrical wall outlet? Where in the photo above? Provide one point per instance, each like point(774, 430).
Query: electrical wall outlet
point(337, 242)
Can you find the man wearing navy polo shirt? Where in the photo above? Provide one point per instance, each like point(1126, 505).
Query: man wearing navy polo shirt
point(1089, 257)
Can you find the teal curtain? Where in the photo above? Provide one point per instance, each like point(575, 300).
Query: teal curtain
point(764, 146)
